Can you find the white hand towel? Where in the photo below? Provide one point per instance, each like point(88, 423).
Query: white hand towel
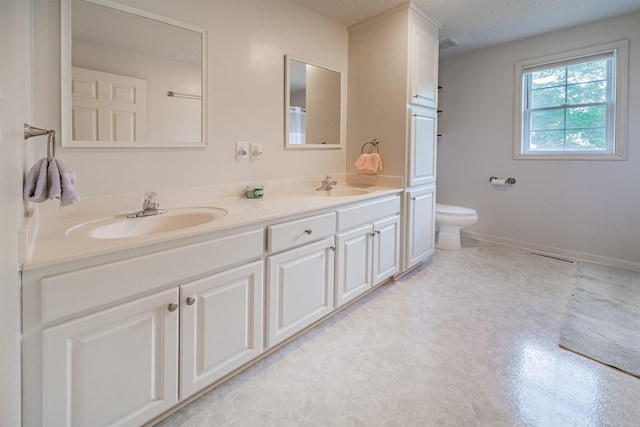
point(49, 179)
point(36, 186)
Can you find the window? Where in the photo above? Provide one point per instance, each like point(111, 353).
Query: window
point(573, 105)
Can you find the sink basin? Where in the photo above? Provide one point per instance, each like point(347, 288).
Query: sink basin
point(121, 227)
point(342, 192)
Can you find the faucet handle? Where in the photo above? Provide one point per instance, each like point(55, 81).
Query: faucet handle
point(150, 200)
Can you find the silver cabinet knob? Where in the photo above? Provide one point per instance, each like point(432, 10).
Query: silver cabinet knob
point(172, 307)
point(308, 231)
point(191, 301)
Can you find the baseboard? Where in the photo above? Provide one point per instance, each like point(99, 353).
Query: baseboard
point(550, 250)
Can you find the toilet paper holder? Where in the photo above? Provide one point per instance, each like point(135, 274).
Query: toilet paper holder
point(509, 181)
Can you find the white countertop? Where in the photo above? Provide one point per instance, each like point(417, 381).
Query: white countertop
point(53, 245)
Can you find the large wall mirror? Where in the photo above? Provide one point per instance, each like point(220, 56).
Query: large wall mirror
point(130, 78)
point(313, 97)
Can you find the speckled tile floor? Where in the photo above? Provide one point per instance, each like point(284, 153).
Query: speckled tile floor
point(468, 340)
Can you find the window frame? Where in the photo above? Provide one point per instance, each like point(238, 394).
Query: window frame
point(616, 134)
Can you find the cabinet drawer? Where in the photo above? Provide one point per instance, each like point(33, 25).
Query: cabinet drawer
point(69, 293)
point(368, 212)
point(295, 233)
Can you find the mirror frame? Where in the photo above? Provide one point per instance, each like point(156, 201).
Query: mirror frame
point(65, 77)
point(287, 104)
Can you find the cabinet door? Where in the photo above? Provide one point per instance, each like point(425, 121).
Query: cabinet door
point(420, 239)
point(422, 150)
point(300, 289)
point(423, 66)
point(386, 249)
point(353, 259)
point(115, 367)
point(220, 325)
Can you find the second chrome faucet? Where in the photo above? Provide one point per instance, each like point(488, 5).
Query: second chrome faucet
point(326, 184)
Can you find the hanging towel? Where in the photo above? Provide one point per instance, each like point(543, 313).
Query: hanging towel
point(369, 163)
point(51, 179)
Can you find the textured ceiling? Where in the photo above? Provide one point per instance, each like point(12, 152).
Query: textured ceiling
point(481, 23)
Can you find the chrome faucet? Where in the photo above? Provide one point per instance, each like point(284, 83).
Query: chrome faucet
point(149, 206)
point(326, 184)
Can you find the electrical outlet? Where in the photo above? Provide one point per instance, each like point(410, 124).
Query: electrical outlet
point(242, 150)
point(256, 151)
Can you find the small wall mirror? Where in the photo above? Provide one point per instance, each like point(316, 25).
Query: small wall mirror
point(130, 78)
point(313, 97)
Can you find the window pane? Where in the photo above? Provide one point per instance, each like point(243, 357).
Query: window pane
point(547, 120)
point(549, 97)
point(548, 78)
point(587, 117)
point(587, 72)
point(586, 93)
point(586, 139)
point(547, 141)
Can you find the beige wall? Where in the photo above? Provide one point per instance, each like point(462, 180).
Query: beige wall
point(582, 208)
point(247, 43)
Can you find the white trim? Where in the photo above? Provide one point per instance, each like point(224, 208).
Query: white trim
point(621, 47)
point(553, 251)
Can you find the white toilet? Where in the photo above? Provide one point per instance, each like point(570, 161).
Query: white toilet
point(450, 220)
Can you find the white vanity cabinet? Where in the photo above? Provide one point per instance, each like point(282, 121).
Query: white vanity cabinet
point(113, 367)
point(419, 225)
point(121, 342)
point(368, 251)
point(220, 325)
point(300, 280)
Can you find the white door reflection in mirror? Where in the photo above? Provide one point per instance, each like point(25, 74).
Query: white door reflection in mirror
point(313, 99)
point(108, 107)
point(123, 44)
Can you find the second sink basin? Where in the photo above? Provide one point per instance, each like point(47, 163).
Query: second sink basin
point(119, 227)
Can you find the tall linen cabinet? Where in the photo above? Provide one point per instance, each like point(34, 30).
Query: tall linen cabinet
point(393, 96)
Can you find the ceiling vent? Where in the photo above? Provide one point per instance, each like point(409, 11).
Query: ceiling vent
point(447, 43)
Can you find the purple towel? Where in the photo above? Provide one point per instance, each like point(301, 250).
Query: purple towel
point(51, 179)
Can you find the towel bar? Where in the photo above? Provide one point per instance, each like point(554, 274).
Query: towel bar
point(182, 95)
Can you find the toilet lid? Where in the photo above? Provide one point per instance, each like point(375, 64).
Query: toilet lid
point(454, 210)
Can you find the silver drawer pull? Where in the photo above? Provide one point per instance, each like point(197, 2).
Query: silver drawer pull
point(191, 301)
point(308, 231)
point(172, 307)
point(333, 248)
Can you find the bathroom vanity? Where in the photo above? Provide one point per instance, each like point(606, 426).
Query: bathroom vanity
point(124, 323)
point(122, 330)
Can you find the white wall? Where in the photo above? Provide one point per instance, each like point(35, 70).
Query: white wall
point(15, 104)
point(565, 207)
point(247, 43)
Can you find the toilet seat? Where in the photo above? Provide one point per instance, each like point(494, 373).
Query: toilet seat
point(450, 210)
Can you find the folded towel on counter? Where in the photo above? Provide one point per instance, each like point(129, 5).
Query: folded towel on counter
point(51, 179)
point(369, 163)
